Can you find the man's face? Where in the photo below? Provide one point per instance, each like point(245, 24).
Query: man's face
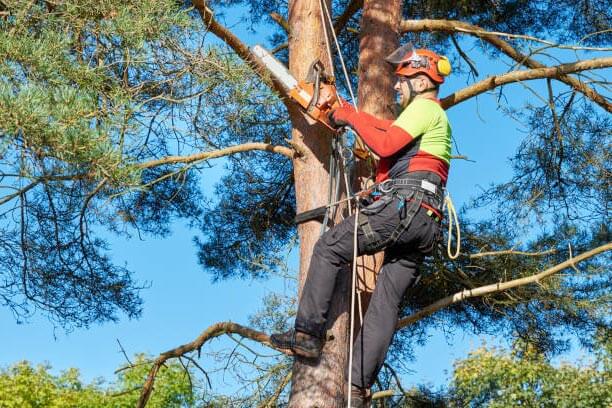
point(419, 84)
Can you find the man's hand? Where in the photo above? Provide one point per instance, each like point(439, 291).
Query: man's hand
point(341, 116)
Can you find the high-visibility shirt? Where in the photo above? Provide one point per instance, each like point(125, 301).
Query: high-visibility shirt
point(418, 140)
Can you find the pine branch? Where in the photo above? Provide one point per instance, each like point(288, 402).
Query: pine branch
point(353, 7)
point(493, 82)
point(280, 20)
point(286, 151)
point(512, 252)
point(240, 48)
point(499, 287)
point(212, 332)
point(453, 26)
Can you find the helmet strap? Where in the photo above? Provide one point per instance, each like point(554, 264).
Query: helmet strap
point(414, 93)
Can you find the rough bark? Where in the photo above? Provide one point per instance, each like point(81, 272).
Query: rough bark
point(379, 37)
point(319, 384)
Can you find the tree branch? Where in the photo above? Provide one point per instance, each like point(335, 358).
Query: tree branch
point(36, 182)
point(240, 48)
point(212, 332)
point(271, 403)
point(498, 287)
point(512, 252)
point(526, 75)
point(353, 7)
point(286, 151)
point(280, 21)
point(453, 26)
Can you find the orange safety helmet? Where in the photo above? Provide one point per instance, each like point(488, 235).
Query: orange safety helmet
point(411, 62)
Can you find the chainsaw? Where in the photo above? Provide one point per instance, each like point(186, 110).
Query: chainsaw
point(316, 94)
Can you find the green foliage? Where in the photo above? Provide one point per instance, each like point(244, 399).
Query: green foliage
point(88, 92)
point(494, 378)
point(25, 386)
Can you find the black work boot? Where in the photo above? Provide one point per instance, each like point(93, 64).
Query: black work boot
point(301, 344)
point(361, 397)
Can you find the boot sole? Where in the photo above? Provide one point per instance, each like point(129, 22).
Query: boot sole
point(306, 353)
point(298, 351)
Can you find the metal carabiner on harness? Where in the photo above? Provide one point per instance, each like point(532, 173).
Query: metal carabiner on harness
point(386, 186)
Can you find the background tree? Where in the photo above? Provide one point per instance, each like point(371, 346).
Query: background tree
point(109, 113)
point(494, 378)
point(25, 386)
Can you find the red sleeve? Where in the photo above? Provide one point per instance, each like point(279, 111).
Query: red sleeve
point(384, 140)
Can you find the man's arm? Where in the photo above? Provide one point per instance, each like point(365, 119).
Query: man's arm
point(379, 135)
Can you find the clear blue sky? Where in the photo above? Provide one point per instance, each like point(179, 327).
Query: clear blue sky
point(182, 301)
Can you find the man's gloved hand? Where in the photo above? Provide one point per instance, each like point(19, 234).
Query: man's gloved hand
point(341, 116)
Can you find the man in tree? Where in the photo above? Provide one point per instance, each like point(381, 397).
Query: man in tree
point(414, 153)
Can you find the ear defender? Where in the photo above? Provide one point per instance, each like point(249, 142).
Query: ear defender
point(444, 66)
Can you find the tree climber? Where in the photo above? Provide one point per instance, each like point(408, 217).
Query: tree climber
point(414, 153)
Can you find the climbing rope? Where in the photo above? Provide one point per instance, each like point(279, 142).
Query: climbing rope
point(453, 223)
point(326, 19)
point(327, 16)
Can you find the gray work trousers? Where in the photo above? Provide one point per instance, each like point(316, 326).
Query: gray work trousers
point(399, 272)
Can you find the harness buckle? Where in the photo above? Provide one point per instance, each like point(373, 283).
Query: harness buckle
point(386, 186)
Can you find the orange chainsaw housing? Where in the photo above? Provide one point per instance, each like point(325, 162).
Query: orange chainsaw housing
point(316, 94)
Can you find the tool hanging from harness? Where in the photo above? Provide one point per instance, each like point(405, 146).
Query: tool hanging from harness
point(413, 193)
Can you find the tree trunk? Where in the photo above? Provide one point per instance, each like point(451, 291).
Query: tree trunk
point(323, 385)
point(379, 37)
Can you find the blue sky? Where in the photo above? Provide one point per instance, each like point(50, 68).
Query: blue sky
point(182, 301)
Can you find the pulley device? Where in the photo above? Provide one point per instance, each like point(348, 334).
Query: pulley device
point(316, 94)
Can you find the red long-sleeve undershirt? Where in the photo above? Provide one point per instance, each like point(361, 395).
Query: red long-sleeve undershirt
point(382, 138)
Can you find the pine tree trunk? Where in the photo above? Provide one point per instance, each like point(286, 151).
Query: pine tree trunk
point(318, 385)
point(323, 385)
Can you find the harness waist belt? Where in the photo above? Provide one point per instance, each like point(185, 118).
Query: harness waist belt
point(433, 193)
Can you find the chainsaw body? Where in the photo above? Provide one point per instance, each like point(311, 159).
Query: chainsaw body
point(316, 94)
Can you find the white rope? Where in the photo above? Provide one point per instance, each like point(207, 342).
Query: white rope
point(326, 14)
point(351, 322)
point(453, 221)
point(346, 76)
point(324, 24)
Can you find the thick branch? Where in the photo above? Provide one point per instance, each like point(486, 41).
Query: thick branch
point(499, 287)
point(453, 26)
point(353, 7)
point(241, 49)
point(212, 332)
point(286, 151)
point(526, 75)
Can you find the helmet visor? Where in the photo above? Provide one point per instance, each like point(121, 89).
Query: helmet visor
point(404, 53)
